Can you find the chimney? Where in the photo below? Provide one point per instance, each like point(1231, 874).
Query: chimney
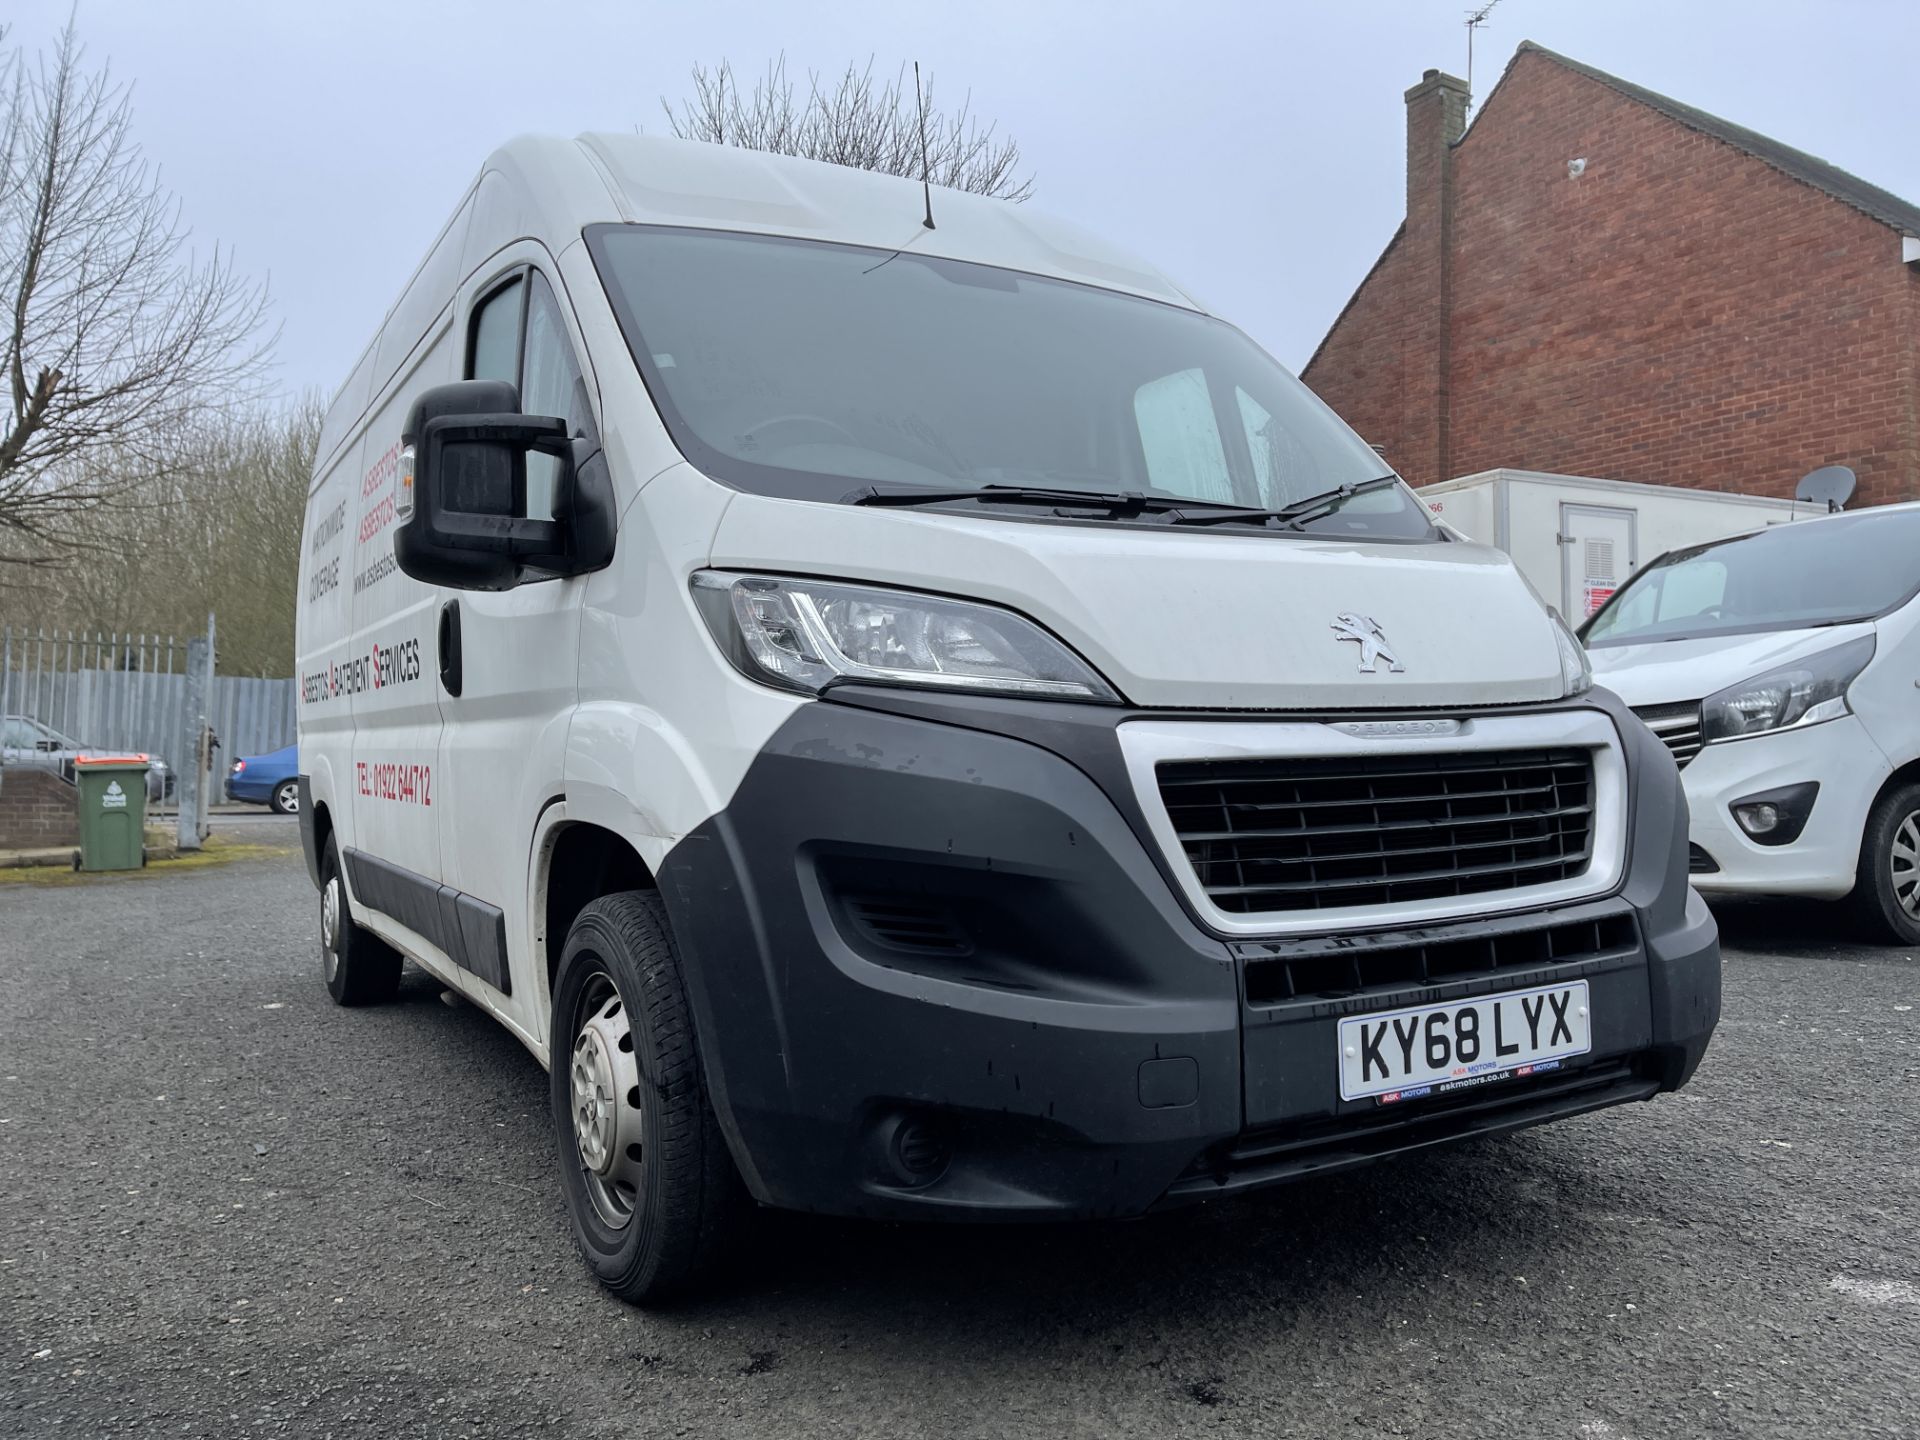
point(1436, 119)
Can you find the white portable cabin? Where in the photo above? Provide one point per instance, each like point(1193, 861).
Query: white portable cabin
point(1577, 539)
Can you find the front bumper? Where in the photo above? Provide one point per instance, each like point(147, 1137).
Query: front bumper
point(952, 922)
point(1839, 755)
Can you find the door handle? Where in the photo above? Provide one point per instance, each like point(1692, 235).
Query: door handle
point(450, 670)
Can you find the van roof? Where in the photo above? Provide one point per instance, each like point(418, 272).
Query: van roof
point(657, 180)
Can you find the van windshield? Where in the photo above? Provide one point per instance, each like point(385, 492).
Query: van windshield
point(1790, 577)
point(819, 371)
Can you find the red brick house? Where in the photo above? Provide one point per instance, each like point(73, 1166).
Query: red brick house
point(1597, 280)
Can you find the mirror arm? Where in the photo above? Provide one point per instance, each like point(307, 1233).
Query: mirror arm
point(547, 435)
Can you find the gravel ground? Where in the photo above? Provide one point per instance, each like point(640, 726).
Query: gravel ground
point(227, 1207)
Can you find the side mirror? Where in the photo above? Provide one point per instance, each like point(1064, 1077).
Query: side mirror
point(462, 492)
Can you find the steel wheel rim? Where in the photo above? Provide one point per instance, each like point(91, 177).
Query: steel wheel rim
point(330, 925)
point(603, 1093)
point(1905, 865)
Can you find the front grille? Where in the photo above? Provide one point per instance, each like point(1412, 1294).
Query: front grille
point(1699, 862)
point(1678, 727)
point(1352, 969)
point(1311, 834)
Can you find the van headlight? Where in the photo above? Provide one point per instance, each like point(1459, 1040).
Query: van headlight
point(1576, 671)
point(805, 634)
point(1803, 693)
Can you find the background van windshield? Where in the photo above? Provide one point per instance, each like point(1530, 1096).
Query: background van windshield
point(797, 368)
point(1813, 573)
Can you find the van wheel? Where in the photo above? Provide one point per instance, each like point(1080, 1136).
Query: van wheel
point(651, 1190)
point(1887, 894)
point(359, 967)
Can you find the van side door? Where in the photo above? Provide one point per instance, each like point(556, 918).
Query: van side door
point(381, 676)
point(509, 678)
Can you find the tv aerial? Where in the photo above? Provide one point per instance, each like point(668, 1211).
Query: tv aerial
point(1475, 19)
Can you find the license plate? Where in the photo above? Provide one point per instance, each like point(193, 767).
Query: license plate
point(1404, 1054)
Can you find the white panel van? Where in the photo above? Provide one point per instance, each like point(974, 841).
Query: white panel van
point(1783, 671)
point(925, 721)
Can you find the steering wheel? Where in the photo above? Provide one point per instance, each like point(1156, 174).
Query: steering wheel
point(838, 430)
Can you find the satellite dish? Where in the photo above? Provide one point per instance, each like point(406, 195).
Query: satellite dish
point(1830, 485)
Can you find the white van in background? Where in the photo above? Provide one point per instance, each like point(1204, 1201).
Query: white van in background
point(1783, 670)
point(1578, 539)
point(910, 716)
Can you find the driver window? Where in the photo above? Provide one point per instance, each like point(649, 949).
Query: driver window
point(550, 384)
point(494, 353)
point(538, 358)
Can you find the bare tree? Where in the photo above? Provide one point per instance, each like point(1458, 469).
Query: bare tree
point(227, 521)
point(115, 336)
point(856, 122)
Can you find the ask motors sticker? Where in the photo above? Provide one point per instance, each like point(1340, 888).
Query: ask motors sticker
point(380, 667)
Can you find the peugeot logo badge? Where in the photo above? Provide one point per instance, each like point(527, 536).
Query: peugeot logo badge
point(1365, 632)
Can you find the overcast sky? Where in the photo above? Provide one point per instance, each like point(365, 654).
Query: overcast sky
point(1251, 149)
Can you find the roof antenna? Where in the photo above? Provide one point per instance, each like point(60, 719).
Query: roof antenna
point(1475, 19)
point(926, 182)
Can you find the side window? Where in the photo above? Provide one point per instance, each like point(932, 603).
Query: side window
point(1180, 438)
point(550, 384)
point(494, 351)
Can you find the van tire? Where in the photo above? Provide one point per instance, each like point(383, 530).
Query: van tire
point(1892, 833)
point(653, 1216)
point(358, 966)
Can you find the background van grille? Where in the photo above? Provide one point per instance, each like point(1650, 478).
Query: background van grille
point(1678, 727)
point(1309, 834)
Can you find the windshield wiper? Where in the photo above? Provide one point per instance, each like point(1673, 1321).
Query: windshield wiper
point(1127, 502)
point(1291, 516)
point(1174, 509)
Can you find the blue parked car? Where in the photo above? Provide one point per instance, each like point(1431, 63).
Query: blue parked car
point(267, 779)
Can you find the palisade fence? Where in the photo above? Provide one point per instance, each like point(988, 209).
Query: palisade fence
point(129, 693)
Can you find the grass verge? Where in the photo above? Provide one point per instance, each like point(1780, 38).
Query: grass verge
point(214, 852)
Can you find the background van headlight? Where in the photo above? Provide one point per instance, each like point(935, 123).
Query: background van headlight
point(805, 634)
point(1576, 671)
point(1803, 693)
